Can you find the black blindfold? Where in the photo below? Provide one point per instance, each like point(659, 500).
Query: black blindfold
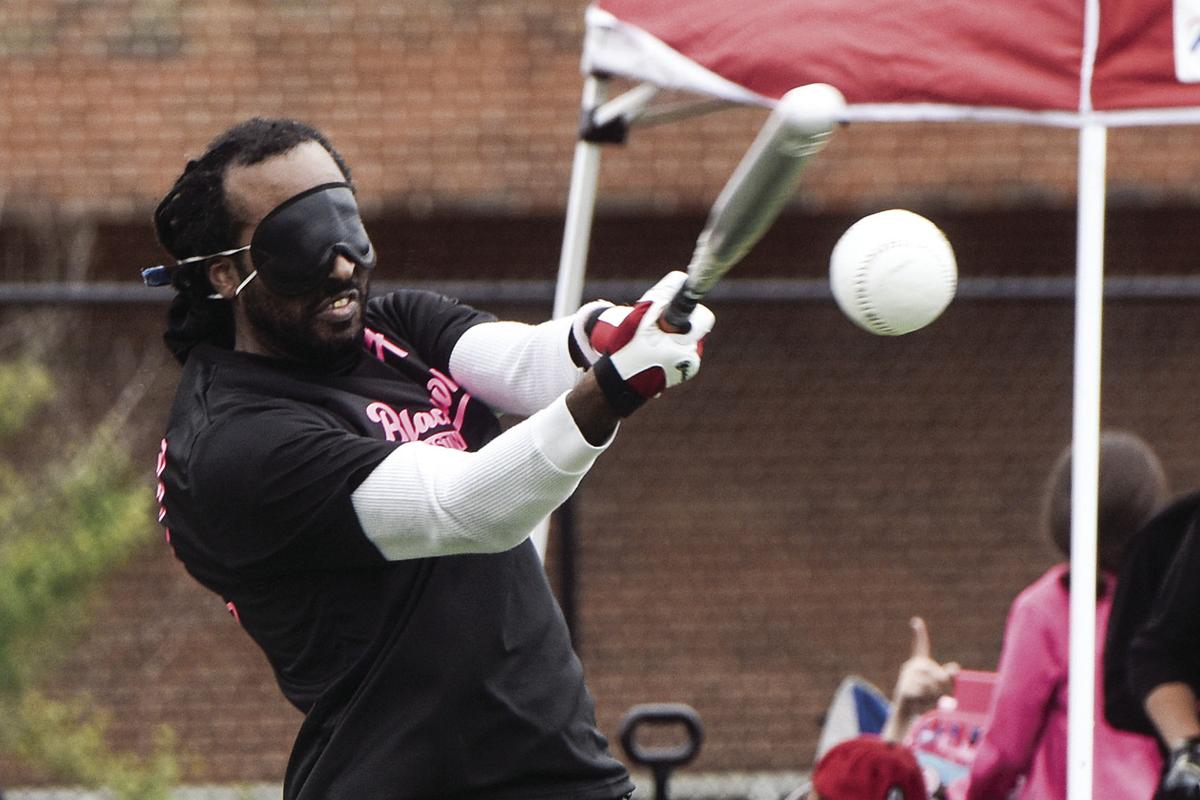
point(294, 246)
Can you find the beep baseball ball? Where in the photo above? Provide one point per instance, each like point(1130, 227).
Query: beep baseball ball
point(893, 272)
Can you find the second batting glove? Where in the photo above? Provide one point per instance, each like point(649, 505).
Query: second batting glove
point(1182, 779)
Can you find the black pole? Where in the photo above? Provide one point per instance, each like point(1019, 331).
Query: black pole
point(566, 568)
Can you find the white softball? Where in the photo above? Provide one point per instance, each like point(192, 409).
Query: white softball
point(893, 272)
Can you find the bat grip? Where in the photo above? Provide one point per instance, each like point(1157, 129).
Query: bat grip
point(675, 318)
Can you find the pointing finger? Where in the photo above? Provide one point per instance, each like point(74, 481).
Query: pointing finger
point(920, 638)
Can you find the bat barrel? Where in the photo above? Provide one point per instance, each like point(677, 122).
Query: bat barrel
point(811, 110)
point(798, 128)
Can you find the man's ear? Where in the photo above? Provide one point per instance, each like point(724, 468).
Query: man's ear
point(224, 277)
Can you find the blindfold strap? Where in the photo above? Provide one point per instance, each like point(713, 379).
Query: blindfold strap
point(242, 285)
point(163, 274)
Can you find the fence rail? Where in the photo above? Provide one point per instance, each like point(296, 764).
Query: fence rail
point(531, 292)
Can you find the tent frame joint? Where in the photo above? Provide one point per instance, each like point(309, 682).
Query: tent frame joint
point(614, 131)
point(609, 123)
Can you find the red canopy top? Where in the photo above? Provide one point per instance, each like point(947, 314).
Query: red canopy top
point(921, 59)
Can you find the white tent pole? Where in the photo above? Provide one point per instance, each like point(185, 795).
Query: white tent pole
point(572, 261)
point(1089, 298)
point(581, 202)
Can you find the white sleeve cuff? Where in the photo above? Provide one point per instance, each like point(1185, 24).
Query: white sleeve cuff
point(559, 439)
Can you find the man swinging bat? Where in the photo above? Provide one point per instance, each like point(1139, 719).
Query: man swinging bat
point(333, 468)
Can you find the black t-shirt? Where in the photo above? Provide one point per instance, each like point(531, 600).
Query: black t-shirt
point(1154, 627)
point(447, 677)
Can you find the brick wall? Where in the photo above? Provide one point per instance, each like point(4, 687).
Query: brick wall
point(837, 483)
point(832, 485)
point(446, 104)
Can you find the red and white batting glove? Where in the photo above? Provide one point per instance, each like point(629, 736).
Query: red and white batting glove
point(639, 360)
point(596, 328)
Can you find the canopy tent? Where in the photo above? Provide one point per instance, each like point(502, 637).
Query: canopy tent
point(1087, 64)
point(1112, 62)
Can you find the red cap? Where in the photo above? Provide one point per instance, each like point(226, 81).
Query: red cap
point(868, 768)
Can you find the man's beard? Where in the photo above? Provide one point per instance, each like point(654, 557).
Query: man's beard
point(290, 327)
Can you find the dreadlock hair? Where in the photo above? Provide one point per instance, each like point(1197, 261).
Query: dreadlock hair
point(194, 219)
point(1133, 485)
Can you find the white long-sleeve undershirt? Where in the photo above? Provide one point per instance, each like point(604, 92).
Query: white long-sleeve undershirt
point(424, 500)
point(428, 501)
point(515, 368)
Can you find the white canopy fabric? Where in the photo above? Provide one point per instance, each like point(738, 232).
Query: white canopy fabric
point(1088, 64)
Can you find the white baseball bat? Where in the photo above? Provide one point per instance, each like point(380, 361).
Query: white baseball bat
point(798, 128)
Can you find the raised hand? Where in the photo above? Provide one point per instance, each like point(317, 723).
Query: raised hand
point(922, 680)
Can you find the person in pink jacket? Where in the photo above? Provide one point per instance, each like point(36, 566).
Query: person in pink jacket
point(1023, 752)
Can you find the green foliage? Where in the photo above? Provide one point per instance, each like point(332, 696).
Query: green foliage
point(67, 530)
point(63, 528)
point(24, 387)
point(68, 740)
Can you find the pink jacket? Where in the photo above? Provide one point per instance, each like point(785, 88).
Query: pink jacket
point(1026, 731)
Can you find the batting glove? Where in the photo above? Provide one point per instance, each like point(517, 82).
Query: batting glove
point(597, 330)
point(641, 360)
point(1182, 780)
point(583, 349)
